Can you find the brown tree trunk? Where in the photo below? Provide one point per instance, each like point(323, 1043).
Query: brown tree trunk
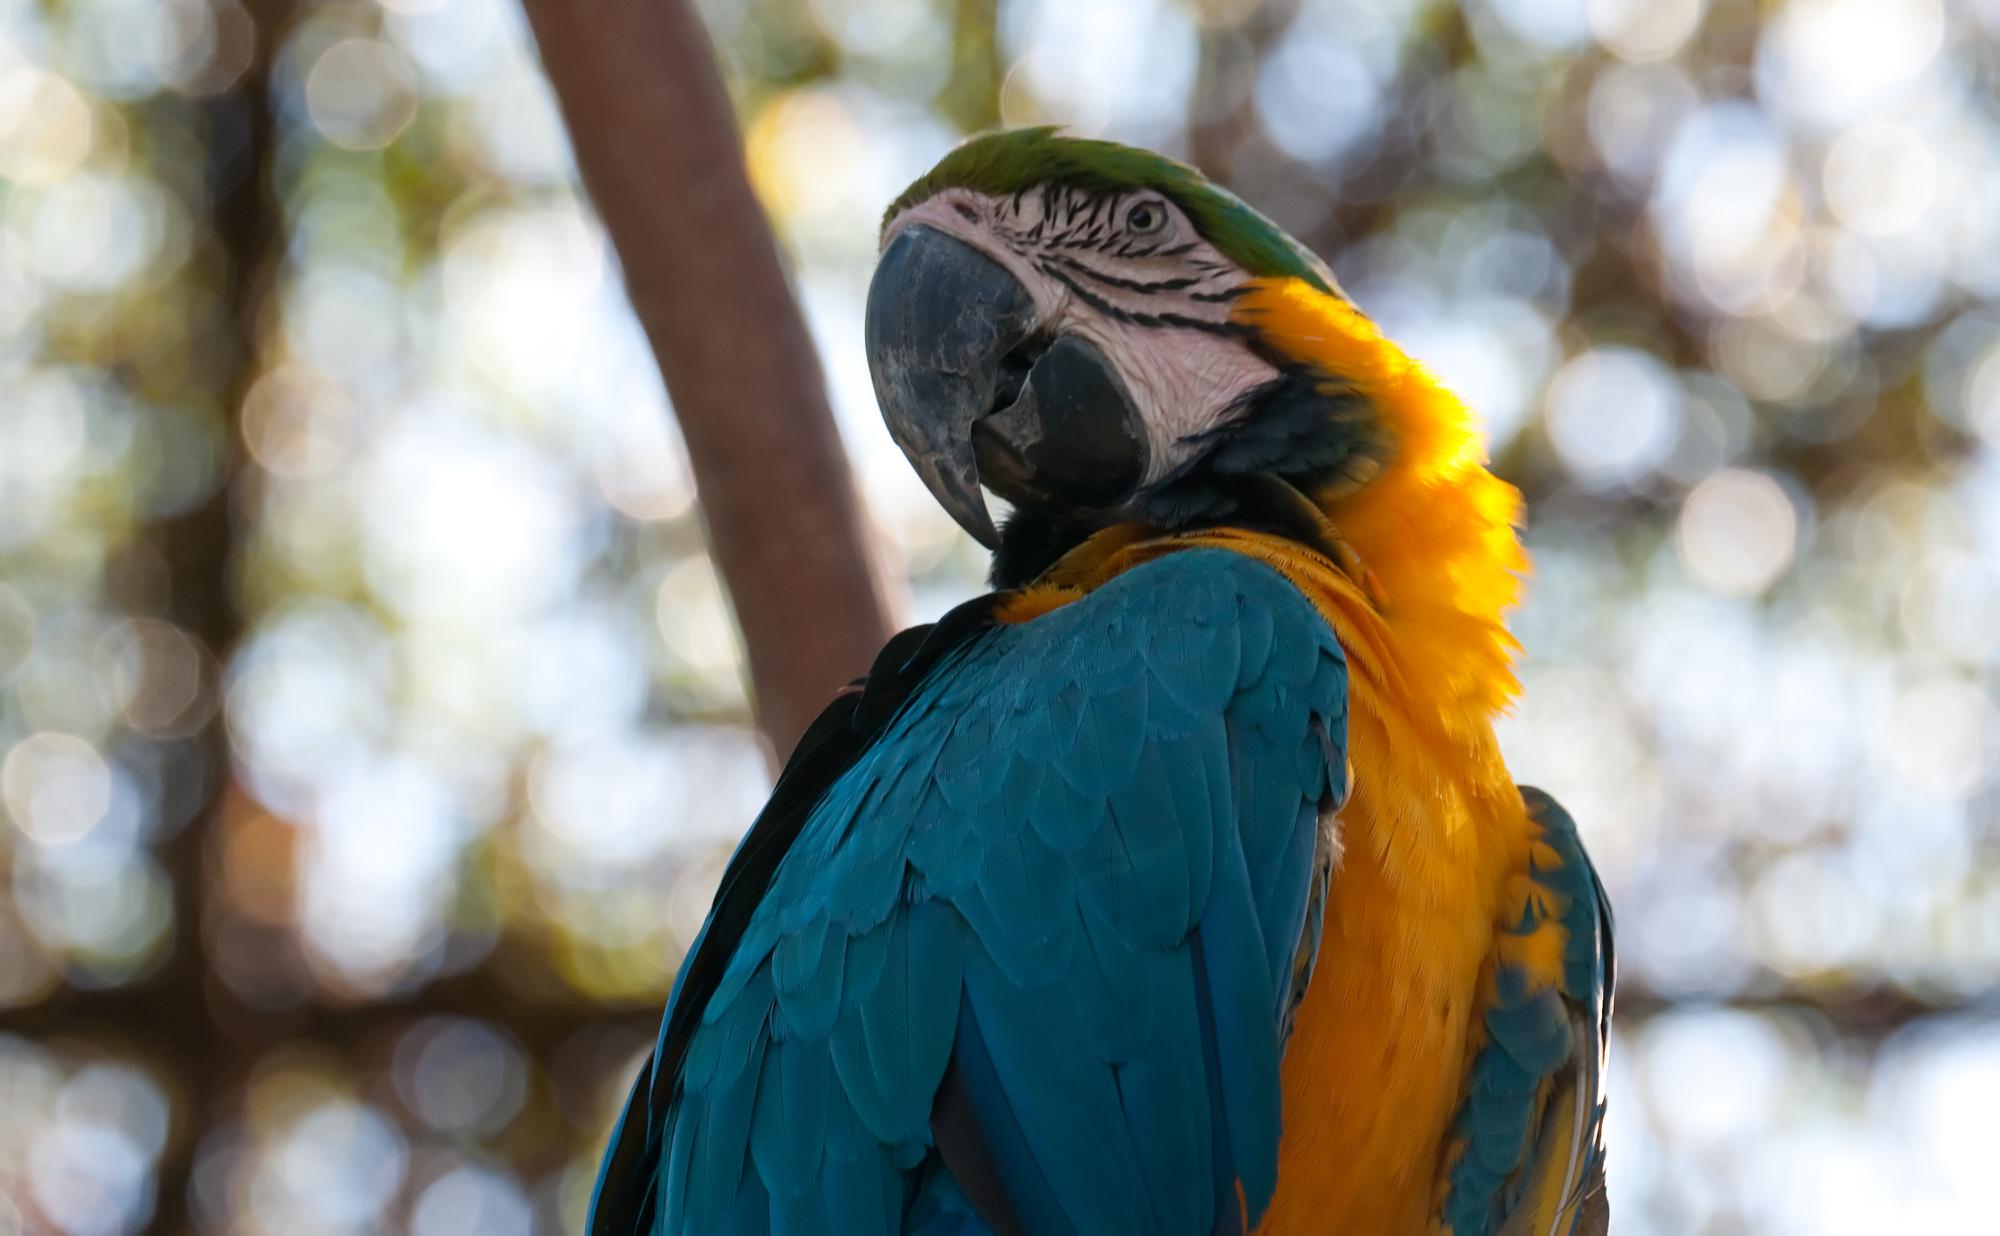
point(184, 1006)
point(657, 144)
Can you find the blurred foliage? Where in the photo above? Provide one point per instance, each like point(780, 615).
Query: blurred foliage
point(1723, 279)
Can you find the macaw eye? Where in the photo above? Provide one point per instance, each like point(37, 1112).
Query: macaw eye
point(1145, 218)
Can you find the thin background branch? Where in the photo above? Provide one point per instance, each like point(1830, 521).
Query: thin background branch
point(657, 146)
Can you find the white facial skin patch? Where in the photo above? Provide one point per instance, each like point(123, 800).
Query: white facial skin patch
point(1128, 273)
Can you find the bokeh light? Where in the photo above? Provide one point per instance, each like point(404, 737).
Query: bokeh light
point(370, 486)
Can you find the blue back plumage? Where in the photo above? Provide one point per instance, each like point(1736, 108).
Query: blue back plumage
point(1025, 963)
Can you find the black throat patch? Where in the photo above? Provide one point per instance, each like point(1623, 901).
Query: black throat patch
point(1303, 429)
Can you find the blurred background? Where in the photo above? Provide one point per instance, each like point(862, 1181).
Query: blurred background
point(328, 441)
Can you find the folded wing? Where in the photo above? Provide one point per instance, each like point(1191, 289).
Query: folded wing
point(1529, 1137)
point(1021, 960)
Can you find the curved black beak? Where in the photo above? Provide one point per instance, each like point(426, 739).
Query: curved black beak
point(971, 393)
point(941, 318)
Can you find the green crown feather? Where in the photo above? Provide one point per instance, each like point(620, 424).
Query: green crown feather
point(1015, 159)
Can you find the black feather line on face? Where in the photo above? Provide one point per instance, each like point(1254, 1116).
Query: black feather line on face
point(1098, 201)
point(1117, 281)
point(1103, 306)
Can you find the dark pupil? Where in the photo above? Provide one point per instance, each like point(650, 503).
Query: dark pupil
point(1144, 219)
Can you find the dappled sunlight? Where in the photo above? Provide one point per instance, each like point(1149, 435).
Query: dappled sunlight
point(1721, 283)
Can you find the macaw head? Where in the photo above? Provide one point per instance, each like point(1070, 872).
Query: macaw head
point(1098, 334)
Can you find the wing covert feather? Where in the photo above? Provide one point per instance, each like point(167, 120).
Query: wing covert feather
point(1530, 1133)
point(1068, 870)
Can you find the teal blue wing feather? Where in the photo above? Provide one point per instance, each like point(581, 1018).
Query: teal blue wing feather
point(1532, 1121)
point(1024, 964)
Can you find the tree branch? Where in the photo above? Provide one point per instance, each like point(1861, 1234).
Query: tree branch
point(178, 1005)
point(542, 1016)
point(656, 142)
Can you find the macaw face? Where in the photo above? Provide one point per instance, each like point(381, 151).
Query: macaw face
point(1068, 346)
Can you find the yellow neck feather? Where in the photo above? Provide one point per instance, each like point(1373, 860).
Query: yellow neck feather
point(1433, 531)
point(1434, 527)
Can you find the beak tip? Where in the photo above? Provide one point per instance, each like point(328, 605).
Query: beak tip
point(940, 316)
point(954, 482)
point(984, 532)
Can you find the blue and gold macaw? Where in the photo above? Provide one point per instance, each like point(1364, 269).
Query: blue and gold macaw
point(1177, 885)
